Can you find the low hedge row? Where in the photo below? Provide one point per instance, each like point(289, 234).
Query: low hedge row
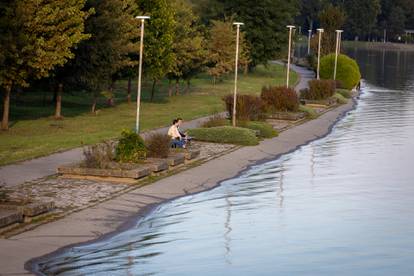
point(225, 134)
point(265, 130)
point(319, 90)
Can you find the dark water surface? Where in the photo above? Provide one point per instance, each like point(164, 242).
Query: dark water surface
point(342, 205)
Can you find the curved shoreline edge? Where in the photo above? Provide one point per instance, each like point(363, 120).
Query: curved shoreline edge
point(199, 179)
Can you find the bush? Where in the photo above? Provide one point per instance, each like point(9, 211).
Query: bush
point(215, 121)
point(225, 135)
point(248, 108)
point(345, 93)
point(265, 130)
point(99, 156)
point(347, 73)
point(131, 148)
point(158, 145)
point(319, 90)
point(280, 98)
point(341, 99)
point(310, 112)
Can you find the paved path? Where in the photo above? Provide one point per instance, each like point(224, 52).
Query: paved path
point(108, 216)
point(30, 170)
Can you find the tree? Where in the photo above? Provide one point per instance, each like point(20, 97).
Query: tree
point(310, 10)
point(396, 21)
point(331, 19)
point(188, 45)
point(265, 25)
point(36, 36)
point(159, 37)
point(114, 37)
point(361, 17)
point(222, 47)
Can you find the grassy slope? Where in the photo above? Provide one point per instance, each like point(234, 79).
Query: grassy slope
point(34, 133)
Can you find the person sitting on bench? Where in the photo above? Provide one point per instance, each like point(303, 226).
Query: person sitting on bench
point(177, 140)
point(184, 135)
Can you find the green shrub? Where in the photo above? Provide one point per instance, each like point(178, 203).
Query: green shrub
point(347, 71)
point(98, 156)
point(341, 99)
point(319, 90)
point(280, 98)
point(248, 107)
point(345, 93)
point(215, 121)
point(131, 148)
point(225, 135)
point(265, 130)
point(158, 145)
point(310, 112)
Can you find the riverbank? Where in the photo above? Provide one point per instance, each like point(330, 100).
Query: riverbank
point(389, 46)
point(111, 215)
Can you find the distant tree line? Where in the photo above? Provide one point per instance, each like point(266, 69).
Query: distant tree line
point(364, 19)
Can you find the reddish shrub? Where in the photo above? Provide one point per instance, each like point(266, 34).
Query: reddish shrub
point(319, 90)
point(248, 107)
point(280, 98)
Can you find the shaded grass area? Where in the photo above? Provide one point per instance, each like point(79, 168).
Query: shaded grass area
point(35, 133)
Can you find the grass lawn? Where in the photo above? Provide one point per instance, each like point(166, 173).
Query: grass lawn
point(35, 133)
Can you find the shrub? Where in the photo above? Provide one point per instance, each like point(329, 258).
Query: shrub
point(248, 108)
point(310, 112)
point(158, 145)
point(345, 93)
point(319, 90)
point(131, 148)
point(347, 71)
point(99, 156)
point(280, 98)
point(341, 99)
point(215, 121)
point(225, 135)
point(265, 130)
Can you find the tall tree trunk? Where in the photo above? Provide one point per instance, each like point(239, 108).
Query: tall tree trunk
point(187, 89)
point(6, 108)
point(58, 110)
point(154, 82)
point(93, 109)
point(177, 87)
point(169, 88)
point(110, 101)
point(129, 90)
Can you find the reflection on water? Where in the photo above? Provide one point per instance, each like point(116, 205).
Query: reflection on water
point(342, 205)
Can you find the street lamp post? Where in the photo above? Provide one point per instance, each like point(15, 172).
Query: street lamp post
point(237, 24)
point(320, 31)
point(290, 27)
point(309, 40)
point(338, 48)
point(141, 49)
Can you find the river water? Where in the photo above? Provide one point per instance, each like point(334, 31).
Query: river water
point(342, 205)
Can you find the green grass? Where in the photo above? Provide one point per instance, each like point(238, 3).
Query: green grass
point(225, 135)
point(35, 133)
point(265, 130)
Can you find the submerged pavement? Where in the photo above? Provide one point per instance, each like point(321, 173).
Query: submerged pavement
point(111, 215)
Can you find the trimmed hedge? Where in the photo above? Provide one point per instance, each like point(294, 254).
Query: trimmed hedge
point(280, 98)
point(216, 121)
point(341, 99)
point(310, 112)
point(348, 72)
point(265, 130)
point(319, 90)
point(225, 135)
point(248, 107)
point(345, 93)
